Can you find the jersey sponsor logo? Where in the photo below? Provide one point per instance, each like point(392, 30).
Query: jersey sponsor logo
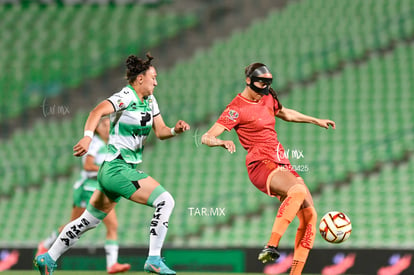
point(145, 117)
point(233, 115)
point(141, 132)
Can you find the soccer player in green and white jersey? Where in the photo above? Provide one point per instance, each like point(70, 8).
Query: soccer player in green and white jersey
point(133, 112)
point(82, 192)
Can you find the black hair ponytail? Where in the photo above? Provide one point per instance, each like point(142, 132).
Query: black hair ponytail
point(274, 94)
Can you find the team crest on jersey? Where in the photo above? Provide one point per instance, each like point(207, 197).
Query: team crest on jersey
point(120, 103)
point(233, 115)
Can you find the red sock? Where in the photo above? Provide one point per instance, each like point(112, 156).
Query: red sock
point(297, 267)
point(287, 212)
point(305, 238)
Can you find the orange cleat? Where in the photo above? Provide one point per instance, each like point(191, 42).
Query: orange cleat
point(118, 268)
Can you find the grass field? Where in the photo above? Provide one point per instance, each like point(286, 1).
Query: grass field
point(76, 272)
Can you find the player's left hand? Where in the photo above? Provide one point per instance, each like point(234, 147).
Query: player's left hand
point(81, 148)
point(325, 123)
point(181, 126)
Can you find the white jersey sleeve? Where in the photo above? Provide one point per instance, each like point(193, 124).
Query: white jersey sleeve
point(97, 149)
point(94, 147)
point(122, 99)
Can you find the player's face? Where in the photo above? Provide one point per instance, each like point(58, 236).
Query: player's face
point(150, 81)
point(263, 84)
point(260, 85)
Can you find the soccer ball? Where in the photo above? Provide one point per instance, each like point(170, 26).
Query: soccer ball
point(335, 227)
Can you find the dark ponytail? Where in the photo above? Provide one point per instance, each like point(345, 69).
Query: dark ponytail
point(274, 94)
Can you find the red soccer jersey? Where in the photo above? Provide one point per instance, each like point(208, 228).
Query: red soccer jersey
point(254, 123)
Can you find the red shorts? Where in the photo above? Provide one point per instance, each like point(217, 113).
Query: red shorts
point(260, 173)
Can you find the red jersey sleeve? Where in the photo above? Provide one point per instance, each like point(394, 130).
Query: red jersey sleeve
point(230, 118)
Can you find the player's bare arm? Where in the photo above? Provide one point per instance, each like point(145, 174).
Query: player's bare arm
point(291, 115)
point(210, 138)
point(102, 109)
point(89, 164)
point(162, 131)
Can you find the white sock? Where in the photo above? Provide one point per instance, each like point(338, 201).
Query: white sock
point(164, 205)
point(111, 250)
point(47, 243)
point(71, 234)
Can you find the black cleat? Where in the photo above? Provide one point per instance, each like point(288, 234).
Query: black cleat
point(269, 254)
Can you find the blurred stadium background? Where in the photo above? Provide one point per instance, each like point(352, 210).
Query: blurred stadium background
point(351, 61)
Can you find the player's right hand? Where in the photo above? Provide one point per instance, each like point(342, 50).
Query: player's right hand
point(81, 148)
point(229, 145)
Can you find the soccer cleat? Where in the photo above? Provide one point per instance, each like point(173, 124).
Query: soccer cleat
point(269, 254)
point(118, 268)
point(155, 264)
point(45, 264)
point(41, 249)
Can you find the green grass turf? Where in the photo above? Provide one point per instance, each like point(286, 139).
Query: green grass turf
point(76, 272)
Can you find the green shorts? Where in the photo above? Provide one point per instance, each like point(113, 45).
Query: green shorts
point(82, 192)
point(119, 179)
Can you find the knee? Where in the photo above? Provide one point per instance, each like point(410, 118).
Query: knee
point(298, 190)
point(169, 200)
point(165, 200)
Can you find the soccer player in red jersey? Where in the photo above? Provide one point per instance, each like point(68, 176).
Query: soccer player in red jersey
point(252, 114)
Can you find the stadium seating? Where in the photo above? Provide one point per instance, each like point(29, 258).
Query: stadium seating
point(294, 51)
point(372, 203)
point(81, 42)
point(45, 150)
point(370, 104)
point(370, 101)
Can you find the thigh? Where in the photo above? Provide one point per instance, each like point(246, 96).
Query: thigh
point(282, 180)
point(118, 179)
point(146, 186)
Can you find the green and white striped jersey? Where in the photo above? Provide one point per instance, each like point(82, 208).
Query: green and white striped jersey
point(131, 124)
point(98, 150)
